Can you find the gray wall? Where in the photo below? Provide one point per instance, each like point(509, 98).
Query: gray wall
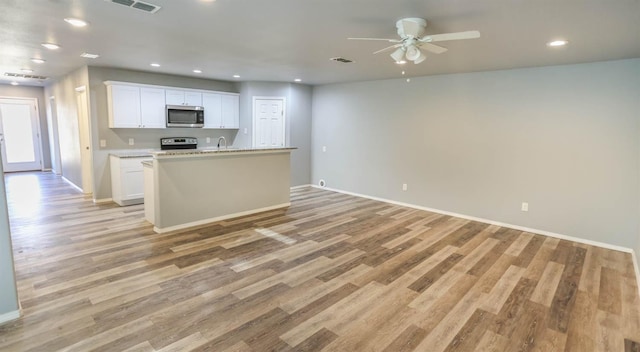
point(8, 290)
point(117, 139)
point(297, 120)
point(10, 91)
point(565, 139)
point(63, 90)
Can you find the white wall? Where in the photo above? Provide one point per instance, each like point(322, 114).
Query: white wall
point(67, 122)
point(565, 139)
point(8, 291)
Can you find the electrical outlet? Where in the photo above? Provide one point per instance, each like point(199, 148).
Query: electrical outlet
point(131, 141)
point(404, 186)
point(324, 148)
point(525, 206)
point(208, 139)
point(103, 143)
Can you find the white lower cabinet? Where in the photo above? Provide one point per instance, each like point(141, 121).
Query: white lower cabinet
point(127, 179)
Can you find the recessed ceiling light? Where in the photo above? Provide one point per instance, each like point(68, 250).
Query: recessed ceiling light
point(236, 76)
point(197, 71)
point(51, 46)
point(401, 62)
point(37, 61)
point(75, 22)
point(557, 43)
point(297, 80)
point(155, 64)
point(14, 83)
point(26, 70)
point(90, 56)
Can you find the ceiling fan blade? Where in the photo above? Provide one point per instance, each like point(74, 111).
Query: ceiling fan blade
point(436, 49)
point(450, 36)
point(387, 48)
point(386, 40)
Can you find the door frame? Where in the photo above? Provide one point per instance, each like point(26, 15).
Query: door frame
point(84, 131)
point(38, 129)
point(54, 143)
point(254, 135)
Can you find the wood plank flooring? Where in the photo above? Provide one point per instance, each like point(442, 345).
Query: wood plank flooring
point(330, 273)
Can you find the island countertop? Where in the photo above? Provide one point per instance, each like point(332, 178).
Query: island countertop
point(158, 154)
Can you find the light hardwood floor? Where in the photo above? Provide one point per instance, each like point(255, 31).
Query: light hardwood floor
point(332, 273)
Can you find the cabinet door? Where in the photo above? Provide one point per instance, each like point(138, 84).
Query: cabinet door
point(132, 183)
point(230, 111)
point(212, 110)
point(152, 108)
point(124, 106)
point(174, 97)
point(193, 98)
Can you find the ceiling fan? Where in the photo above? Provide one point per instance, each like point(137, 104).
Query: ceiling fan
point(412, 39)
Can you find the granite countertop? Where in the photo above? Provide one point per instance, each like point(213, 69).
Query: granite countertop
point(215, 150)
point(133, 153)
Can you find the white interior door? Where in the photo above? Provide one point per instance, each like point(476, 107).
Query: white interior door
point(269, 126)
point(19, 136)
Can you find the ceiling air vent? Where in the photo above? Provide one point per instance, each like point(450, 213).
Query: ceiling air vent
point(22, 75)
point(140, 5)
point(341, 59)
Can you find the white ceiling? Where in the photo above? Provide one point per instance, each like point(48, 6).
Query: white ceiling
point(280, 40)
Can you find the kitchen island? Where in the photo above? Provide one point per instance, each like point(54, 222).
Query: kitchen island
point(186, 188)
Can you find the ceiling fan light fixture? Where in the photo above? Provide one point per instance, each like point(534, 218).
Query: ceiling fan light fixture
point(398, 55)
point(413, 53)
point(420, 58)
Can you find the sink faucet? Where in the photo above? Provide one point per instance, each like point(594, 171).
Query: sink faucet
point(223, 140)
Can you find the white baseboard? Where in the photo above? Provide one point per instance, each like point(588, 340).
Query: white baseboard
point(72, 184)
point(300, 186)
point(7, 317)
point(102, 200)
point(219, 218)
point(487, 221)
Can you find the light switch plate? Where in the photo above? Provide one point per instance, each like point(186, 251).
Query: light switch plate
point(131, 141)
point(103, 143)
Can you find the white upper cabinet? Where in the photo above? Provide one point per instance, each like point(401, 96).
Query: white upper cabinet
point(152, 108)
point(230, 111)
point(212, 104)
point(183, 97)
point(193, 98)
point(133, 105)
point(221, 110)
point(124, 106)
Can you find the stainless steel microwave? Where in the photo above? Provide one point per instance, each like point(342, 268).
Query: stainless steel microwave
point(185, 116)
